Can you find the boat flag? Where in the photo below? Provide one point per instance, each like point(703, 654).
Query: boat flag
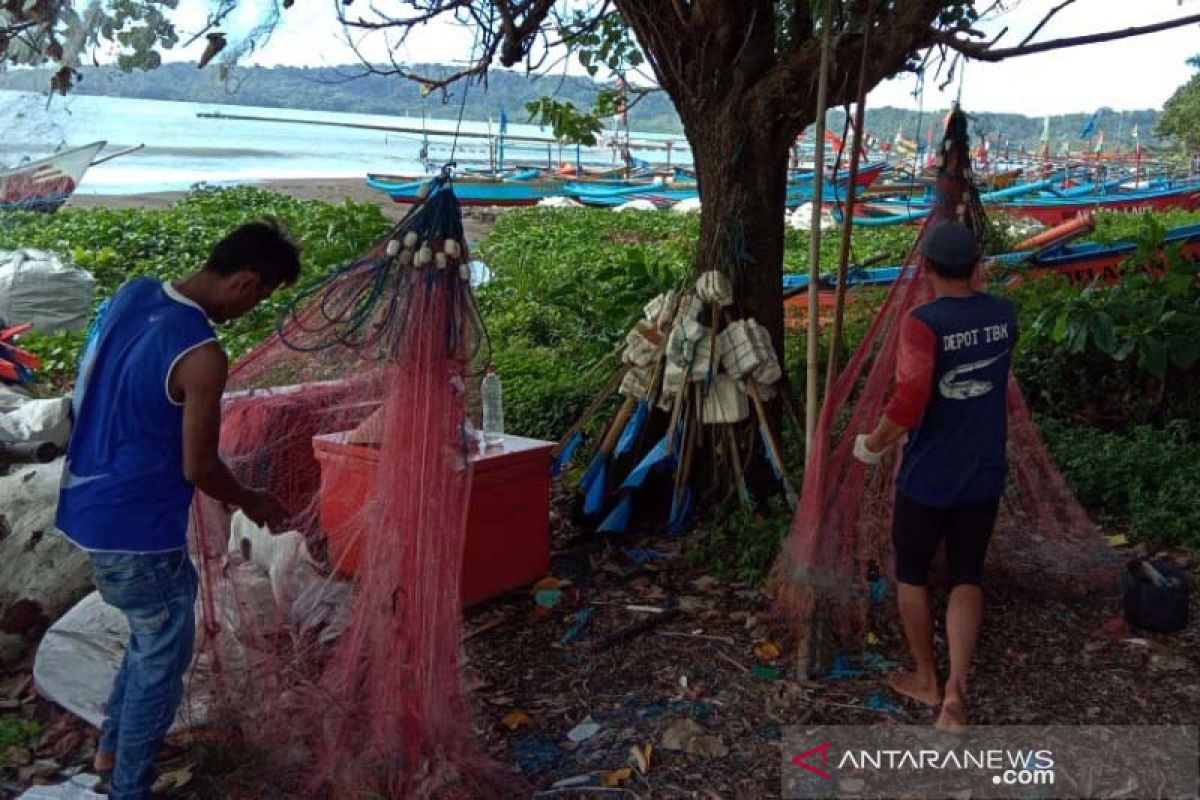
point(1134, 132)
point(1046, 131)
point(503, 122)
point(1099, 143)
point(1090, 125)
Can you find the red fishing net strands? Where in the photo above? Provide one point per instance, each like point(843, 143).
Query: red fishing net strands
point(840, 536)
point(341, 667)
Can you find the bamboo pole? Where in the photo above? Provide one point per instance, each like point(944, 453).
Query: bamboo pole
point(839, 308)
point(814, 249)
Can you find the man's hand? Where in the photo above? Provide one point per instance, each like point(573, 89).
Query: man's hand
point(863, 451)
point(870, 448)
point(264, 509)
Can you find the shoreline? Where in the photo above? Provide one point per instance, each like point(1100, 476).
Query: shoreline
point(477, 221)
point(330, 190)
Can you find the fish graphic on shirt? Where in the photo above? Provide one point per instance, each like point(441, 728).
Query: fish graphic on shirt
point(952, 388)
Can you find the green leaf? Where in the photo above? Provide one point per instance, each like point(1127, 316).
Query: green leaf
point(1185, 351)
point(1103, 333)
point(1059, 331)
point(1152, 356)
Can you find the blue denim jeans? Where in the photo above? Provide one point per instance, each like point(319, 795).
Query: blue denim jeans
point(157, 593)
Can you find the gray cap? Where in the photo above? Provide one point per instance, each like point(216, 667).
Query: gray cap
point(951, 244)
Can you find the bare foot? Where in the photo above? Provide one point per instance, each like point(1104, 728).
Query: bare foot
point(912, 686)
point(104, 762)
point(953, 717)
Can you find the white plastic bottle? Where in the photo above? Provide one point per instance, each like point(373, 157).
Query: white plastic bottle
point(493, 409)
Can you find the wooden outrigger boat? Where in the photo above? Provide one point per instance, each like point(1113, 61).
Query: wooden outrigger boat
point(47, 183)
point(528, 187)
point(1084, 263)
point(1050, 205)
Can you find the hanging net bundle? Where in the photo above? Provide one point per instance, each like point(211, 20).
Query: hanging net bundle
point(840, 538)
point(332, 650)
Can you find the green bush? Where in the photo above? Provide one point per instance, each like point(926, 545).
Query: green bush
point(741, 544)
point(1144, 479)
point(116, 245)
point(1116, 226)
point(17, 732)
point(1119, 355)
point(566, 285)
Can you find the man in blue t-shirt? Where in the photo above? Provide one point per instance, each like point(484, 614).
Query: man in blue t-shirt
point(147, 411)
point(951, 397)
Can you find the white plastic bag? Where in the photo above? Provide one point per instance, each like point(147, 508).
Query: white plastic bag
point(37, 286)
point(38, 421)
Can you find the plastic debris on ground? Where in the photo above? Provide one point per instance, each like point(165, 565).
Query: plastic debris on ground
point(79, 787)
point(879, 704)
point(767, 651)
point(583, 619)
point(765, 673)
point(841, 669)
point(537, 753)
point(878, 663)
point(584, 730)
point(517, 719)
point(877, 591)
point(548, 598)
point(641, 556)
point(640, 757)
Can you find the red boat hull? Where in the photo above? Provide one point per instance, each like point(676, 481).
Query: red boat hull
point(1056, 215)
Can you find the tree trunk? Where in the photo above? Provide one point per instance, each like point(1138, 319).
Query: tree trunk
point(742, 171)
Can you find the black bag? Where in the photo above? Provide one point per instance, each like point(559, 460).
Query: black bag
point(1156, 595)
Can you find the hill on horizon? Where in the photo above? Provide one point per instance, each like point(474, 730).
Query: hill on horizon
point(330, 89)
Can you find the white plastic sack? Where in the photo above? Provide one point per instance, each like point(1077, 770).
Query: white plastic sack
point(801, 218)
point(80, 654)
point(38, 421)
point(637, 205)
point(78, 788)
point(689, 206)
point(559, 201)
point(37, 286)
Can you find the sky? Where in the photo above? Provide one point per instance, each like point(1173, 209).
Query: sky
point(1136, 73)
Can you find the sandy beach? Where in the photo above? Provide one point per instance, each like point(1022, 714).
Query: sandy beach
point(332, 190)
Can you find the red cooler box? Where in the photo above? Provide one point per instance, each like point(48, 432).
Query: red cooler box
point(508, 523)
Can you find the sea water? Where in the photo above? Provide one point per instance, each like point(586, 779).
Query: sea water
point(182, 148)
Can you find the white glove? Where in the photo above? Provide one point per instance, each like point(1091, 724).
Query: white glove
point(865, 454)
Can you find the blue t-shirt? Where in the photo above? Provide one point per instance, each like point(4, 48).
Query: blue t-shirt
point(956, 454)
point(123, 488)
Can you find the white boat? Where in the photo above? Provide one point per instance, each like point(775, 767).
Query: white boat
point(47, 183)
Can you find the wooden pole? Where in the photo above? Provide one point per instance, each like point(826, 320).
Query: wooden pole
point(839, 307)
point(814, 249)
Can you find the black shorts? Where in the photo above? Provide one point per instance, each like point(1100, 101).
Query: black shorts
point(917, 529)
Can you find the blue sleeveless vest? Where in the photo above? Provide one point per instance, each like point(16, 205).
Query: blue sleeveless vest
point(957, 453)
point(123, 488)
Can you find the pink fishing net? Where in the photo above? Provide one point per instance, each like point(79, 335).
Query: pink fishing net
point(337, 662)
point(841, 533)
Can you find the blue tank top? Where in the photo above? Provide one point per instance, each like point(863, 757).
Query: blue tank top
point(123, 488)
point(956, 454)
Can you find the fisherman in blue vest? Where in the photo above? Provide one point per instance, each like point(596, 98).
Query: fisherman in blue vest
point(147, 418)
point(950, 397)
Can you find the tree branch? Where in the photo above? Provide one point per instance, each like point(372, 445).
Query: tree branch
point(984, 53)
point(1038, 29)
